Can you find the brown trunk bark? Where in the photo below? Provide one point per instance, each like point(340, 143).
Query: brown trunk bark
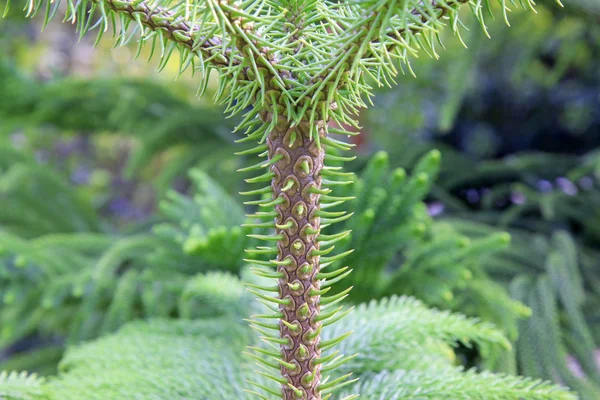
point(298, 170)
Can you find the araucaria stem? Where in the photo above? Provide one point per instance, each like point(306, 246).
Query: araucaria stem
point(297, 183)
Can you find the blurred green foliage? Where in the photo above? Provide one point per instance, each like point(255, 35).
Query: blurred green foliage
point(437, 227)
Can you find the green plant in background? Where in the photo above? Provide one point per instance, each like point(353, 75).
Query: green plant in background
point(512, 118)
point(295, 70)
point(552, 270)
point(150, 287)
point(203, 234)
point(159, 117)
point(404, 352)
point(76, 286)
point(400, 249)
point(536, 195)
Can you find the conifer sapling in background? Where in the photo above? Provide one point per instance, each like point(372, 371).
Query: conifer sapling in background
point(297, 71)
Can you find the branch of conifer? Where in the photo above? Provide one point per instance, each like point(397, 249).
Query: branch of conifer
point(248, 42)
point(178, 29)
point(167, 23)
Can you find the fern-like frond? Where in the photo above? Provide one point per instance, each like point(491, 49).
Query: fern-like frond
point(207, 226)
point(20, 386)
point(453, 384)
point(214, 294)
point(385, 331)
point(159, 360)
point(202, 359)
point(35, 200)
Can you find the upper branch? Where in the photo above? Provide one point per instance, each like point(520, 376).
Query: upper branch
point(226, 35)
point(177, 29)
point(151, 20)
point(373, 38)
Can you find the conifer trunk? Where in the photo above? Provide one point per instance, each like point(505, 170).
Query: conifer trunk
point(297, 175)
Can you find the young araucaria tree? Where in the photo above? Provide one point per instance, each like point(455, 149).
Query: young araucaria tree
point(299, 71)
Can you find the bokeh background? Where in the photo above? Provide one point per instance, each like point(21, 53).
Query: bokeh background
point(118, 187)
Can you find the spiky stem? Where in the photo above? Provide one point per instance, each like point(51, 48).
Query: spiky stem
point(297, 182)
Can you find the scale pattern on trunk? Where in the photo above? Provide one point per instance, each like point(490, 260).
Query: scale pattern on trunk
point(300, 163)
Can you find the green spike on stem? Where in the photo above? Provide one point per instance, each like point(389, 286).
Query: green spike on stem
point(259, 202)
point(319, 292)
point(336, 257)
point(326, 172)
point(330, 275)
point(288, 185)
point(266, 177)
point(311, 231)
point(324, 359)
point(268, 305)
point(293, 327)
point(323, 316)
point(334, 198)
point(264, 351)
point(327, 344)
point(287, 365)
point(315, 190)
point(315, 334)
point(292, 138)
point(274, 202)
point(268, 316)
point(276, 340)
point(263, 387)
point(288, 225)
point(337, 317)
point(255, 324)
point(303, 311)
point(307, 379)
point(297, 392)
point(274, 288)
point(336, 183)
point(303, 352)
point(262, 250)
point(329, 221)
point(272, 377)
point(267, 274)
point(262, 164)
point(321, 252)
point(273, 238)
point(283, 302)
point(305, 167)
point(287, 261)
point(261, 225)
point(330, 384)
point(327, 214)
point(331, 300)
point(259, 262)
point(340, 235)
point(262, 360)
point(339, 385)
point(338, 144)
point(337, 361)
point(263, 215)
point(265, 190)
point(306, 269)
point(333, 157)
point(330, 282)
point(325, 205)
